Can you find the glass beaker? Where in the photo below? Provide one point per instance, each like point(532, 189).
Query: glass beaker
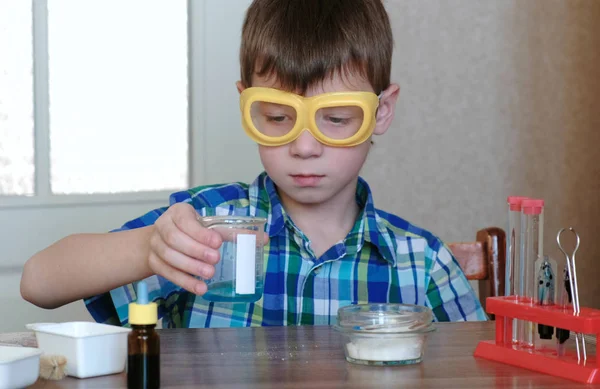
point(239, 273)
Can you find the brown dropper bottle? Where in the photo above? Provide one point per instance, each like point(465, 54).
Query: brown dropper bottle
point(143, 343)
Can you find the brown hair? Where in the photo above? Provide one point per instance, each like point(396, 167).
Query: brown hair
point(302, 42)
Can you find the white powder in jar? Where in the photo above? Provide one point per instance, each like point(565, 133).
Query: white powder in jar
point(385, 348)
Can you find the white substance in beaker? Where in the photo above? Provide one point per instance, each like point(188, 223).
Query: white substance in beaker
point(386, 349)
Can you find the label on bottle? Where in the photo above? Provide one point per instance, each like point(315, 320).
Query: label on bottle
point(245, 264)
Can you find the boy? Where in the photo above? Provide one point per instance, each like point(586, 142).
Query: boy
point(328, 246)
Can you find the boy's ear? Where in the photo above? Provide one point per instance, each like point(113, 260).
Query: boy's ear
point(386, 109)
point(240, 86)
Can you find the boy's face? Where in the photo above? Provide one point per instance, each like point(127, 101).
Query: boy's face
point(309, 172)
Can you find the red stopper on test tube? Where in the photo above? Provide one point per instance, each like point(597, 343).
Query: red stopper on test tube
point(514, 202)
point(532, 206)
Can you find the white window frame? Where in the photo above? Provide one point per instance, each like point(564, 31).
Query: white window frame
point(43, 197)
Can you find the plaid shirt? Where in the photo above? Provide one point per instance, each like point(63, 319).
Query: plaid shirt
point(383, 259)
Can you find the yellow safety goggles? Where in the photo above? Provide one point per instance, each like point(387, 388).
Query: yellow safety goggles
point(272, 117)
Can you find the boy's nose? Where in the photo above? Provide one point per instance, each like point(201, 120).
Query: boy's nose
point(306, 146)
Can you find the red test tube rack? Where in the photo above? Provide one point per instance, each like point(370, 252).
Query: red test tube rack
point(542, 360)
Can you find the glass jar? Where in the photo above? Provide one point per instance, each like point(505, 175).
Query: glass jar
point(384, 334)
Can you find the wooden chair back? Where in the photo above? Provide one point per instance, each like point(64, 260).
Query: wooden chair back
point(484, 260)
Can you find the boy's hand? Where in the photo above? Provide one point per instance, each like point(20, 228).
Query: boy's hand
point(180, 246)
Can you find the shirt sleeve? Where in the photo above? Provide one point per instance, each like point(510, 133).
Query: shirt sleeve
point(449, 293)
point(113, 307)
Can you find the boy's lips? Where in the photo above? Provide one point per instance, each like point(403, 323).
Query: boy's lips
point(306, 179)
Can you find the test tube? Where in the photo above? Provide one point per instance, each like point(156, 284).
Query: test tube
point(532, 231)
point(513, 261)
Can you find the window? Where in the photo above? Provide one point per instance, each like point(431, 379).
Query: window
point(109, 84)
point(16, 103)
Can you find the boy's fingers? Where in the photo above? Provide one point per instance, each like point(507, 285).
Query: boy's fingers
point(186, 281)
point(187, 264)
point(186, 220)
point(179, 241)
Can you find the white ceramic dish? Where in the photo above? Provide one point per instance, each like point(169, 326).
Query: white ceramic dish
point(19, 366)
point(91, 349)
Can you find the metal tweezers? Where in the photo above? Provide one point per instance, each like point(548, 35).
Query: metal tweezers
point(572, 271)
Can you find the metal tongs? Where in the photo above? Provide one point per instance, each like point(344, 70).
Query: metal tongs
point(572, 272)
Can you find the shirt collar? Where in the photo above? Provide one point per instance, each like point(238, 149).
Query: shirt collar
point(373, 227)
point(264, 202)
point(370, 227)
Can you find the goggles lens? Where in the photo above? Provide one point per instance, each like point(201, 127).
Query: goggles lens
point(276, 120)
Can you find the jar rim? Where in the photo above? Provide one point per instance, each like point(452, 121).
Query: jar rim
point(381, 332)
point(385, 318)
point(232, 220)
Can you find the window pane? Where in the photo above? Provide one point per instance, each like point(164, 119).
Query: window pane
point(118, 95)
point(16, 99)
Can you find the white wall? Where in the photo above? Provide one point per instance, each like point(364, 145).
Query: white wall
point(229, 154)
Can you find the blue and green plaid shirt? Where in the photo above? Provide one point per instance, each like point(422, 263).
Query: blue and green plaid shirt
point(383, 259)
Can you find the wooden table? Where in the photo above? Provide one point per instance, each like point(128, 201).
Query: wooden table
point(312, 357)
